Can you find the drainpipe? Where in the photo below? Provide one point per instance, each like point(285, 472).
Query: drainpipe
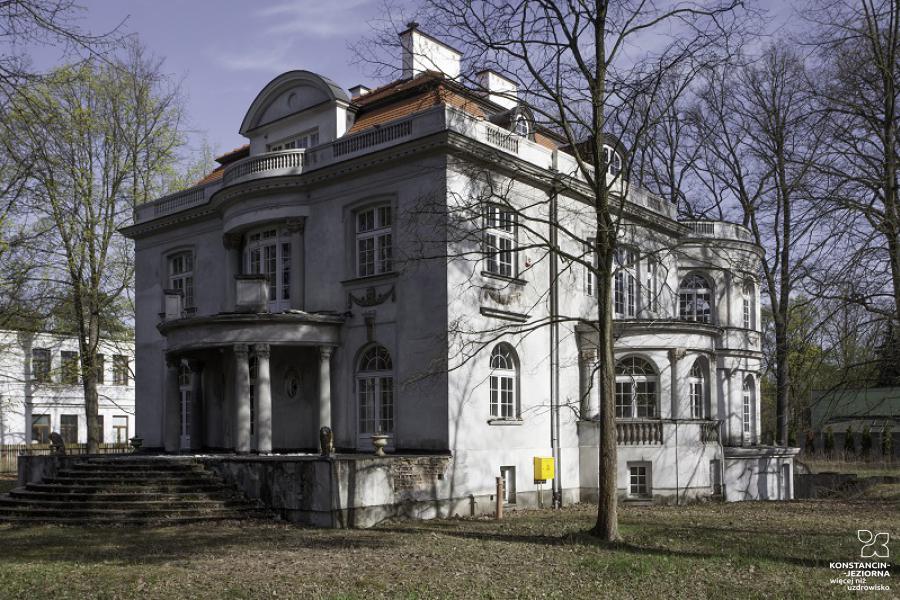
point(677, 486)
point(554, 352)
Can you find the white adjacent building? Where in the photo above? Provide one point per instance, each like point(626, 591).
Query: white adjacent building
point(41, 389)
point(356, 266)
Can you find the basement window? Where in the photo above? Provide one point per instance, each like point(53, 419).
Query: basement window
point(639, 482)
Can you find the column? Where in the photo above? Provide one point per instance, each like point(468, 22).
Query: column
point(587, 388)
point(172, 433)
point(325, 386)
point(241, 399)
point(198, 416)
point(712, 388)
point(675, 354)
point(263, 400)
point(232, 243)
point(735, 405)
point(296, 228)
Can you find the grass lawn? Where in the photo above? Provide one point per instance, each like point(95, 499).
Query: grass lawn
point(700, 551)
point(861, 468)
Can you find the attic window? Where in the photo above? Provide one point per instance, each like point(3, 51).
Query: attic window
point(613, 161)
point(307, 139)
point(521, 126)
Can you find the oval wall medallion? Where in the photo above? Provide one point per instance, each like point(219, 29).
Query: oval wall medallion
point(291, 383)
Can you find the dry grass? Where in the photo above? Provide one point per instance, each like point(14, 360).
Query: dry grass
point(861, 468)
point(701, 551)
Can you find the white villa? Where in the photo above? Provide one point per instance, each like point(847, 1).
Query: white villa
point(41, 392)
point(322, 276)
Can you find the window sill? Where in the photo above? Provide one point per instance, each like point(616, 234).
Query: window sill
point(497, 276)
point(390, 275)
point(505, 422)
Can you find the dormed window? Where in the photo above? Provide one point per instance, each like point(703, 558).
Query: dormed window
point(695, 299)
point(375, 391)
point(500, 241)
point(748, 304)
point(504, 380)
point(268, 252)
point(307, 139)
point(181, 275)
point(520, 127)
point(636, 388)
point(613, 160)
point(374, 241)
point(625, 283)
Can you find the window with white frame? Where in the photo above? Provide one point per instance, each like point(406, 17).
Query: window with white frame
point(613, 161)
point(120, 369)
point(500, 241)
point(508, 473)
point(181, 275)
point(307, 139)
point(639, 482)
point(40, 365)
point(120, 429)
point(268, 252)
point(695, 299)
point(521, 126)
point(69, 364)
point(504, 382)
point(749, 398)
point(748, 305)
point(590, 263)
point(374, 241)
point(186, 393)
point(375, 391)
point(697, 390)
point(651, 284)
point(625, 283)
point(636, 389)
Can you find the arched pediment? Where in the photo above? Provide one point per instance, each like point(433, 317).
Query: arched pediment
point(290, 93)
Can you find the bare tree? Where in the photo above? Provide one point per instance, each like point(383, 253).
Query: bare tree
point(95, 139)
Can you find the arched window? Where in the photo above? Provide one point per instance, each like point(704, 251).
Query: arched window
point(747, 413)
point(504, 382)
point(375, 391)
point(749, 308)
point(625, 283)
point(635, 388)
point(520, 127)
point(697, 390)
point(695, 299)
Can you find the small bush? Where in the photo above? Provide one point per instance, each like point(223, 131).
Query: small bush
point(865, 443)
point(849, 442)
point(829, 442)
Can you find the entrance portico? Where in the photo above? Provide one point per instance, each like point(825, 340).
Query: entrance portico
point(230, 357)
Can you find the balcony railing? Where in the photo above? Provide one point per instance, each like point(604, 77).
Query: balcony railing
point(719, 229)
point(271, 164)
point(639, 433)
point(652, 432)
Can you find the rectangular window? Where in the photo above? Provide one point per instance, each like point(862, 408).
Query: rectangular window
point(307, 139)
point(503, 399)
point(625, 283)
point(100, 369)
point(589, 259)
point(120, 370)
point(747, 414)
point(509, 484)
point(374, 241)
point(181, 275)
point(696, 392)
point(40, 429)
point(286, 271)
point(639, 480)
point(120, 429)
point(651, 285)
point(40, 365)
point(69, 364)
point(68, 428)
point(500, 241)
point(635, 399)
point(747, 319)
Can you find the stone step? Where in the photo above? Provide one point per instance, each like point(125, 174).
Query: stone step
point(139, 496)
point(139, 475)
point(132, 481)
point(115, 512)
point(155, 521)
point(179, 504)
point(149, 467)
point(156, 488)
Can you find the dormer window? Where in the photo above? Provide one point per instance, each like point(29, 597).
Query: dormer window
point(520, 127)
point(613, 161)
point(307, 139)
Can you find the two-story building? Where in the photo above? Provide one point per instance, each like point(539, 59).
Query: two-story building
point(377, 262)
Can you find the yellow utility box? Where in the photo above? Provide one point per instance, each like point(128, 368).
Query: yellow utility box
point(543, 468)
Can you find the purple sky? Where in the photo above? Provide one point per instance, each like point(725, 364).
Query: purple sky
point(224, 52)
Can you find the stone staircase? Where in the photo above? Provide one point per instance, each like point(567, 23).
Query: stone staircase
point(128, 491)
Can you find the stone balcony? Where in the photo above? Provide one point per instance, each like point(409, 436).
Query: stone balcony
point(656, 432)
point(722, 230)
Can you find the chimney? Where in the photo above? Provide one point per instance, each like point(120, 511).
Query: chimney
point(359, 90)
point(421, 52)
point(498, 88)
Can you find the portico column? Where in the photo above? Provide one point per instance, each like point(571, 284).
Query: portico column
point(232, 243)
point(241, 399)
point(736, 408)
point(325, 386)
point(263, 400)
point(198, 418)
point(675, 354)
point(173, 405)
point(298, 283)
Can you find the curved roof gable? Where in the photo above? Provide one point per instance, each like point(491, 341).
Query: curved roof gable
point(290, 93)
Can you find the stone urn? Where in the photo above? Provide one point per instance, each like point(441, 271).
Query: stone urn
point(379, 441)
point(136, 442)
